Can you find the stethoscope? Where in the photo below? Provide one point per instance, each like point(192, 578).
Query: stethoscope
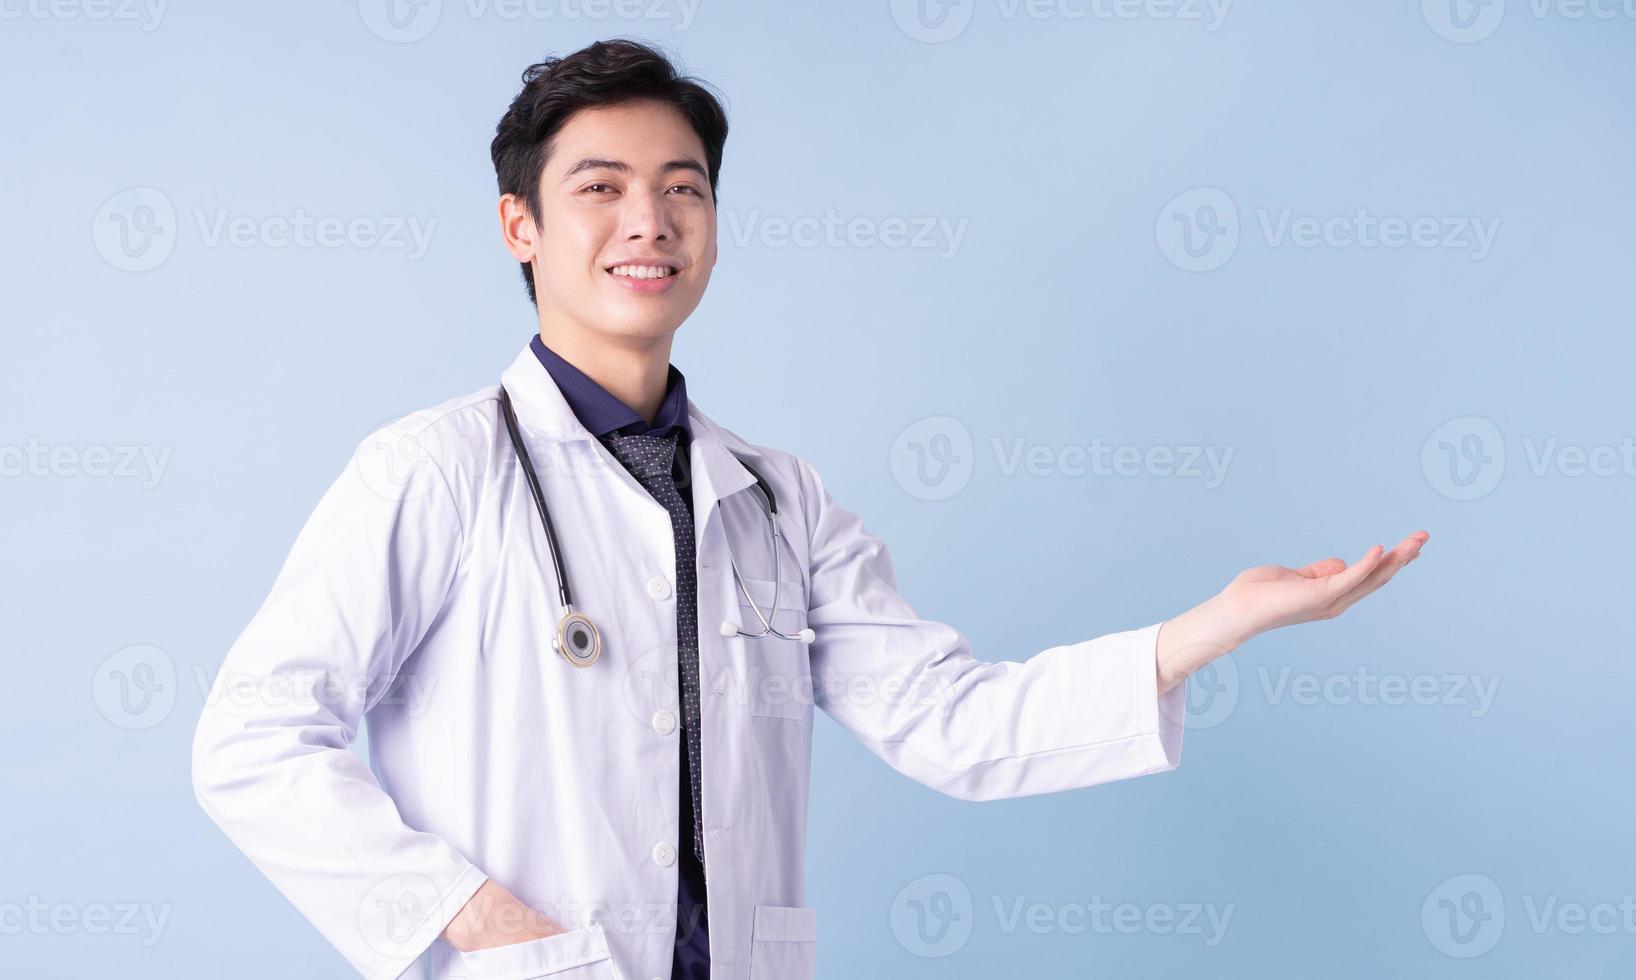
point(578, 639)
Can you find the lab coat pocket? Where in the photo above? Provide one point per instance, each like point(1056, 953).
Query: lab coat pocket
point(783, 943)
point(777, 675)
point(579, 954)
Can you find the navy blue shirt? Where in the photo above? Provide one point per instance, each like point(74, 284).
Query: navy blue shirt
point(601, 413)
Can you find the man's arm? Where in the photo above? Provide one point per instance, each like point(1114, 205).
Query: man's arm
point(365, 578)
point(1069, 716)
point(910, 689)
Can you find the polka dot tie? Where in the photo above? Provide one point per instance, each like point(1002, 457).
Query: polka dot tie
point(650, 458)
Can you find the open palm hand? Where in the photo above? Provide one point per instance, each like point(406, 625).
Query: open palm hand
point(1270, 596)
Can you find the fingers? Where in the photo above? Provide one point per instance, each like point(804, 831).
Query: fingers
point(1322, 569)
point(1390, 564)
point(1343, 582)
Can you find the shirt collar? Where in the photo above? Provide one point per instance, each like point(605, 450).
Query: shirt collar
point(600, 411)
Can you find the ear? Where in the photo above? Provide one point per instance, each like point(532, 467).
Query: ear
point(517, 228)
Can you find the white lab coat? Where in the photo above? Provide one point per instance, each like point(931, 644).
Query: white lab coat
point(420, 594)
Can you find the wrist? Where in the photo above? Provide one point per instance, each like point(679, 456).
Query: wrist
point(484, 920)
point(1208, 631)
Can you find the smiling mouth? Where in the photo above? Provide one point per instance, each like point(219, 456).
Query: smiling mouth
point(642, 271)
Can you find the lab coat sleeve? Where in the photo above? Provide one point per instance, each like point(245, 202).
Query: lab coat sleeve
point(911, 690)
point(366, 576)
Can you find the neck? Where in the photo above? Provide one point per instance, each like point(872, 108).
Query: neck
point(635, 372)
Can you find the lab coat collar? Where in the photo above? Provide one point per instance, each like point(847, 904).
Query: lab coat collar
point(542, 408)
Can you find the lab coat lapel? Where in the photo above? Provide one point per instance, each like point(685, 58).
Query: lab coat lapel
point(717, 473)
point(543, 410)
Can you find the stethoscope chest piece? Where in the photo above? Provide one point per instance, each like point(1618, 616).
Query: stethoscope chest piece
point(578, 640)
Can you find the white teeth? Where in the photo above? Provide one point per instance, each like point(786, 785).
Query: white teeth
point(641, 271)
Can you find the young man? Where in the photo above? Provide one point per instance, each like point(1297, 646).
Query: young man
point(587, 655)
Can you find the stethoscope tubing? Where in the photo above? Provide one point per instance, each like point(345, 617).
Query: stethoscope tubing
point(539, 498)
point(514, 431)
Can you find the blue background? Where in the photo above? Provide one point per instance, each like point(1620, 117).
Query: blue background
point(1059, 144)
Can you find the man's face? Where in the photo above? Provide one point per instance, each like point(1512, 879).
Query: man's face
point(618, 187)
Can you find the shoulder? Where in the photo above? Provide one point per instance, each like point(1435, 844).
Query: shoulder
point(454, 429)
point(449, 443)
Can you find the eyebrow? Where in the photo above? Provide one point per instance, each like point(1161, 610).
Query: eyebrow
point(619, 166)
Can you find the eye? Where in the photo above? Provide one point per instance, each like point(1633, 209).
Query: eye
point(593, 187)
point(690, 189)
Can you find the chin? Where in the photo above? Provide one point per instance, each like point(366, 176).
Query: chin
point(647, 319)
point(641, 324)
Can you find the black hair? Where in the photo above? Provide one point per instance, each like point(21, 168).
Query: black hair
point(601, 74)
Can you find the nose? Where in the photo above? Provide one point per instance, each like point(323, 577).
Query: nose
point(647, 217)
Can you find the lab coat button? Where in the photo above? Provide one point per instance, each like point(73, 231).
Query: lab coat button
point(664, 722)
point(664, 855)
point(658, 587)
